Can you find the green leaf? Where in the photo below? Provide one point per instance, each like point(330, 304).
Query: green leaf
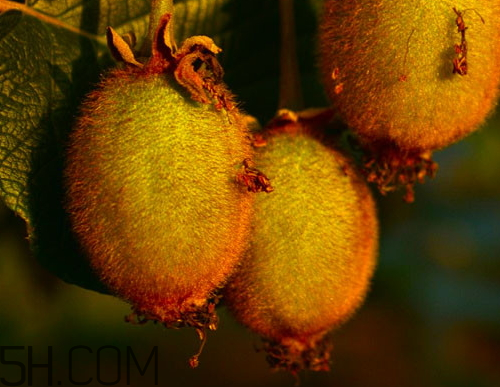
point(45, 72)
point(94, 16)
point(46, 69)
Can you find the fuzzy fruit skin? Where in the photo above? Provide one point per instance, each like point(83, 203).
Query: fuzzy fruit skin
point(388, 68)
point(313, 246)
point(152, 195)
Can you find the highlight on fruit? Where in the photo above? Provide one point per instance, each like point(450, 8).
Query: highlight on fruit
point(313, 244)
point(410, 78)
point(154, 180)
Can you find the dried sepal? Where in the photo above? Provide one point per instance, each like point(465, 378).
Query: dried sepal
point(201, 74)
point(201, 318)
point(199, 43)
point(293, 356)
point(130, 38)
point(258, 140)
point(120, 48)
point(199, 71)
point(163, 49)
point(253, 179)
point(193, 64)
point(390, 169)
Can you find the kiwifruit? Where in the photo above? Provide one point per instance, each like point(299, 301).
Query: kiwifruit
point(152, 170)
point(313, 246)
point(410, 77)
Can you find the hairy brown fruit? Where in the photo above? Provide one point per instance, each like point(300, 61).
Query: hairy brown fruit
point(152, 193)
point(312, 251)
point(410, 77)
point(152, 181)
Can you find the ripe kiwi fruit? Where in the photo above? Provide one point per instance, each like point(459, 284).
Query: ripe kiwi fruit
point(152, 180)
point(410, 77)
point(313, 247)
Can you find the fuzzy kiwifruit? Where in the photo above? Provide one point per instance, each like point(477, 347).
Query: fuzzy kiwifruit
point(152, 182)
point(410, 77)
point(312, 251)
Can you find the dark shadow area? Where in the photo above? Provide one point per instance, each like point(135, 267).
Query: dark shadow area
point(250, 56)
point(53, 242)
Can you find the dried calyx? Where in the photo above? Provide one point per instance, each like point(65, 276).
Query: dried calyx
point(391, 168)
point(193, 65)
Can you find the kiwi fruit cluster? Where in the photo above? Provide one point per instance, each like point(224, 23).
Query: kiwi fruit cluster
point(161, 195)
point(177, 202)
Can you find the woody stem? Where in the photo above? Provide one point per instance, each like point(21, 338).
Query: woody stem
point(290, 94)
point(158, 9)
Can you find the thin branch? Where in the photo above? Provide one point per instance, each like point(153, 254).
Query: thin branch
point(290, 96)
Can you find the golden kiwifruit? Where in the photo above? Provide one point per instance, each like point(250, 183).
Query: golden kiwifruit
point(152, 182)
point(313, 248)
point(410, 77)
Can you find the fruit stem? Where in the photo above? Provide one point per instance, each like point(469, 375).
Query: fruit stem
point(290, 95)
point(158, 9)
